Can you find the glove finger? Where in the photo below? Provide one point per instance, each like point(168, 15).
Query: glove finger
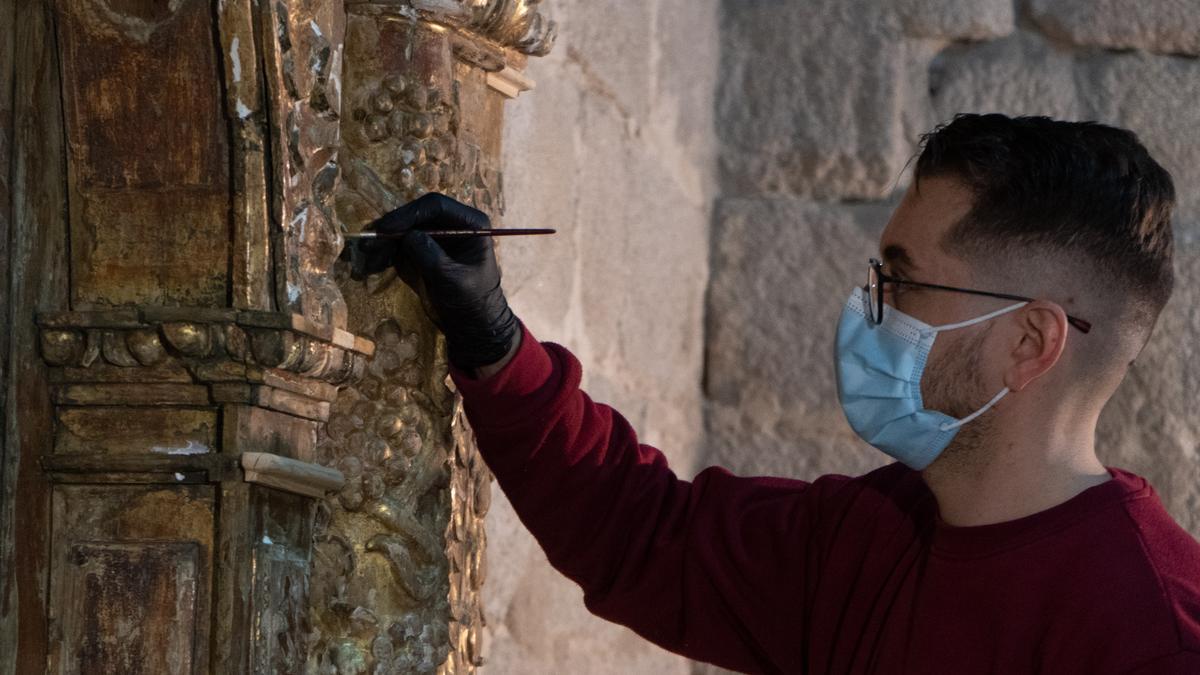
point(430, 210)
point(368, 257)
point(408, 272)
point(423, 253)
point(463, 249)
point(437, 211)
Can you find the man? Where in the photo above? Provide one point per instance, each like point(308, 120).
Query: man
point(1021, 274)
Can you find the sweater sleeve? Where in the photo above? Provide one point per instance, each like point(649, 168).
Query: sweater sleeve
point(713, 569)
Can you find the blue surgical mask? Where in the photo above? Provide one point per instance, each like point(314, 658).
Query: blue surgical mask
point(879, 370)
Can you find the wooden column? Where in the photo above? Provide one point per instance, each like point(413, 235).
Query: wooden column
point(220, 454)
point(400, 551)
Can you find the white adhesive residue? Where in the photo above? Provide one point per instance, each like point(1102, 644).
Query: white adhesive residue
point(192, 448)
point(267, 540)
point(335, 69)
point(315, 28)
point(235, 62)
point(179, 476)
point(300, 220)
point(242, 110)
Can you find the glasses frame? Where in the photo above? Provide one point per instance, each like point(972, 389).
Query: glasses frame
point(876, 277)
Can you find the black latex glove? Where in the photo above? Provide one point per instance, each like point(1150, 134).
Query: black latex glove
point(456, 277)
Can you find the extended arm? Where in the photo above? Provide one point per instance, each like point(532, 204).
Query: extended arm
point(713, 569)
point(716, 569)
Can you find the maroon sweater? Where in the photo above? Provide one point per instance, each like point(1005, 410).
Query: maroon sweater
point(837, 575)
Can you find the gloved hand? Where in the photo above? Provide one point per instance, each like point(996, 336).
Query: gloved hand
point(456, 277)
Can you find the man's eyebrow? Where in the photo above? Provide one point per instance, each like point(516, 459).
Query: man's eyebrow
point(897, 256)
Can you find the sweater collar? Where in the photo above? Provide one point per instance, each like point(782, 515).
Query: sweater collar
point(982, 540)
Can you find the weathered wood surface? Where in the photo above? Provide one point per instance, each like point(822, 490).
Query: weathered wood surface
point(36, 280)
point(148, 153)
point(170, 208)
point(402, 546)
point(8, 12)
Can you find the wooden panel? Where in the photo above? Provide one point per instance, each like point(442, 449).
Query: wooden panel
point(131, 571)
point(37, 279)
point(280, 607)
point(280, 597)
point(170, 431)
point(149, 152)
point(8, 625)
point(130, 394)
point(135, 607)
point(132, 247)
point(253, 429)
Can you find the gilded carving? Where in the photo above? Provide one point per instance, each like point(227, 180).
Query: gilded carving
point(132, 340)
point(401, 548)
point(187, 170)
point(516, 24)
point(379, 547)
point(304, 45)
point(410, 514)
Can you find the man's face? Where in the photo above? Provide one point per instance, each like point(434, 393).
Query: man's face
point(955, 381)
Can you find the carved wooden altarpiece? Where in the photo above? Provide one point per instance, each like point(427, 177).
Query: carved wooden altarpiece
point(220, 454)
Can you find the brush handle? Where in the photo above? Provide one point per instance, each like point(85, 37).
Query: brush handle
point(452, 233)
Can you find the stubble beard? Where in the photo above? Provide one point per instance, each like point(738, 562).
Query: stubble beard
point(954, 386)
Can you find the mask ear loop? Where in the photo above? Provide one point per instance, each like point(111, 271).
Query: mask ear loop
point(977, 413)
point(978, 319)
point(1004, 391)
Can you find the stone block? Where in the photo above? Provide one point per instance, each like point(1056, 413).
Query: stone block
point(1150, 426)
point(1019, 75)
point(615, 148)
point(536, 619)
point(542, 150)
point(781, 271)
point(1156, 97)
point(956, 19)
point(610, 52)
point(1166, 26)
point(811, 100)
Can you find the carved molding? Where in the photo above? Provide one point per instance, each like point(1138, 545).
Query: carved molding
point(202, 339)
point(510, 82)
point(291, 475)
point(303, 44)
point(513, 24)
point(380, 575)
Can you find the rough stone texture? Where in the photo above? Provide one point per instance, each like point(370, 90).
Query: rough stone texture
point(956, 19)
point(811, 97)
point(1026, 74)
point(816, 95)
point(1150, 426)
point(772, 406)
point(817, 103)
point(1166, 26)
point(781, 270)
point(1022, 74)
point(616, 148)
point(1159, 98)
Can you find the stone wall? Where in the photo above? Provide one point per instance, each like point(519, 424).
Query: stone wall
point(820, 107)
point(787, 125)
point(616, 148)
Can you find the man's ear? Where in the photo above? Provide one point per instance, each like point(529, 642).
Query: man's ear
point(1038, 344)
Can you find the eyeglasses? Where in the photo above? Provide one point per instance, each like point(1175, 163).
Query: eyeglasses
point(876, 279)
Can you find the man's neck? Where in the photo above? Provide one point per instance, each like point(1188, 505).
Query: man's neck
point(1004, 481)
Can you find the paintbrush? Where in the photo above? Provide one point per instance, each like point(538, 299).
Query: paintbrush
point(492, 232)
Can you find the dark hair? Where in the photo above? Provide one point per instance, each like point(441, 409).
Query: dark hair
point(1083, 189)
